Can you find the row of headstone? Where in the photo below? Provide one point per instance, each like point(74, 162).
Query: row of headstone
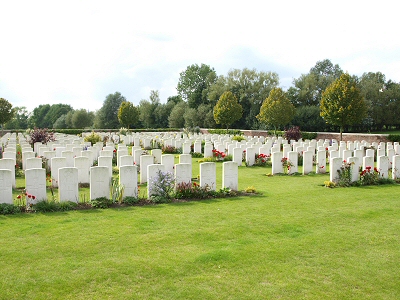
point(100, 180)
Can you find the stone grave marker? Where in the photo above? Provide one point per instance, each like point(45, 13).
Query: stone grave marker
point(68, 184)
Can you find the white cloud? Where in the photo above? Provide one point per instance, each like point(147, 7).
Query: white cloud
point(78, 52)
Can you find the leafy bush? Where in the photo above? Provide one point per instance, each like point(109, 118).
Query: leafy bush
point(46, 206)
point(130, 200)
point(224, 131)
point(394, 137)
point(262, 160)
point(93, 138)
point(238, 138)
point(41, 135)
point(196, 155)
point(344, 174)
point(101, 202)
point(309, 135)
point(8, 209)
point(293, 133)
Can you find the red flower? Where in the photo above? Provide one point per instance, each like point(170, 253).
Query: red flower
point(29, 196)
point(115, 150)
point(19, 152)
point(368, 168)
point(19, 197)
point(33, 197)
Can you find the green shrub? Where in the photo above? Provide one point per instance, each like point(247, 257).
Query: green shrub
point(93, 138)
point(308, 135)
point(129, 200)
point(394, 137)
point(238, 138)
point(8, 209)
point(67, 205)
point(196, 155)
point(46, 206)
point(224, 131)
point(101, 202)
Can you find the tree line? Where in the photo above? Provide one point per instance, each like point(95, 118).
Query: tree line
point(200, 89)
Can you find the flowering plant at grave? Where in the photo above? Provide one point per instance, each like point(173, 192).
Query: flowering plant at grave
point(261, 159)
point(49, 184)
point(169, 150)
point(219, 155)
point(286, 164)
point(25, 200)
point(344, 174)
point(369, 176)
point(162, 186)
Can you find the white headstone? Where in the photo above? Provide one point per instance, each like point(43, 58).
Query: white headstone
point(276, 159)
point(334, 167)
point(396, 167)
point(6, 186)
point(128, 178)
point(250, 156)
point(57, 163)
point(9, 164)
point(99, 182)
point(183, 173)
point(383, 166)
point(106, 161)
point(208, 175)
point(230, 175)
point(68, 184)
point(35, 183)
point(293, 157)
point(321, 162)
point(354, 167)
point(157, 155)
point(145, 160)
point(33, 163)
point(185, 159)
point(82, 163)
point(168, 160)
point(307, 162)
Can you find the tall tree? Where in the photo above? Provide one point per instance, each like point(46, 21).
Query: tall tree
point(250, 87)
point(276, 110)
point(107, 115)
point(342, 103)
point(308, 88)
point(227, 110)
point(82, 118)
point(38, 116)
point(194, 83)
point(6, 112)
point(176, 119)
point(162, 113)
point(19, 120)
point(147, 108)
point(128, 114)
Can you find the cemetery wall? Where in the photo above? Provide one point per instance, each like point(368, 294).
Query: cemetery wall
point(370, 138)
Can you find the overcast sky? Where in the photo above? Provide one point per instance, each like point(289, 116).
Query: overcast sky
point(78, 52)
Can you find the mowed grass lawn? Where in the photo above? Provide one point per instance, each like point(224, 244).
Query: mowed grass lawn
point(297, 240)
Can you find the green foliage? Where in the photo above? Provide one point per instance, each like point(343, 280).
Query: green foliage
point(308, 118)
point(188, 190)
point(6, 111)
point(194, 83)
point(308, 88)
point(238, 138)
point(117, 191)
point(170, 150)
point(82, 118)
point(250, 87)
point(129, 200)
point(276, 110)
point(9, 209)
point(93, 138)
point(223, 131)
point(68, 131)
point(19, 119)
point(342, 103)
point(52, 206)
point(101, 202)
point(107, 115)
point(394, 137)
point(128, 114)
point(227, 110)
point(176, 118)
point(308, 135)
